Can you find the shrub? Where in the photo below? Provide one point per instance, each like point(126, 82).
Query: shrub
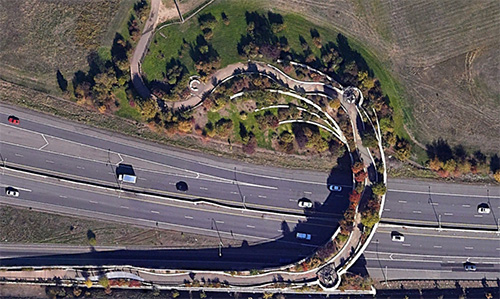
point(104, 281)
point(379, 189)
point(369, 218)
point(357, 167)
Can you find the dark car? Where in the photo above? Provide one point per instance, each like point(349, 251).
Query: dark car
point(181, 186)
point(13, 120)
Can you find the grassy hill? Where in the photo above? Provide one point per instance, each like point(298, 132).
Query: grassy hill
point(442, 55)
point(40, 37)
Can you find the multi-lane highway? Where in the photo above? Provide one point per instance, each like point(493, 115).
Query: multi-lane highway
point(449, 205)
point(65, 150)
point(429, 253)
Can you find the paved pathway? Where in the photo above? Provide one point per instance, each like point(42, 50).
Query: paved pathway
point(141, 49)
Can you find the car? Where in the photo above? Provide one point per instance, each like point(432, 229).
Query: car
point(181, 186)
point(483, 208)
point(470, 267)
point(303, 236)
point(398, 237)
point(13, 120)
point(305, 203)
point(9, 191)
point(335, 188)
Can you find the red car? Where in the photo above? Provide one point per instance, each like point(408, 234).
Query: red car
point(13, 120)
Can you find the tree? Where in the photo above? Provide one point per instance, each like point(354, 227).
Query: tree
point(369, 139)
point(104, 281)
point(357, 167)
point(88, 283)
point(361, 176)
point(497, 175)
point(369, 218)
point(403, 149)
point(149, 109)
point(379, 189)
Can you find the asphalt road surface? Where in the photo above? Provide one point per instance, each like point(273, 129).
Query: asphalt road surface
point(80, 153)
point(77, 152)
point(449, 205)
point(431, 254)
point(54, 195)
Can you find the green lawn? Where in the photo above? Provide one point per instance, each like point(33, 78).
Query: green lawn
point(226, 38)
point(126, 110)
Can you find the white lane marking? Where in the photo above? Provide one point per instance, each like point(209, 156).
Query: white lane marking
point(262, 196)
point(292, 199)
point(434, 204)
point(498, 248)
point(156, 212)
point(142, 179)
point(417, 212)
point(469, 247)
point(386, 209)
point(437, 246)
point(479, 216)
point(18, 155)
point(448, 214)
point(121, 159)
point(402, 201)
point(438, 193)
point(63, 196)
point(49, 161)
point(124, 207)
point(203, 188)
point(465, 206)
point(219, 221)
point(188, 217)
point(111, 173)
point(46, 142)
point(404, 244)
point(308, 192)
point(80, 167)
point(93, 201)
point(170, 183)
point(234, 192)
point(250, 226)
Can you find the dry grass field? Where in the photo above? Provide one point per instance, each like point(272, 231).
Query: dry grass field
point(444, 56)
point(38, 37)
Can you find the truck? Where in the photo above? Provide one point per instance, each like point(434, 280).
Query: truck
point(128, 178)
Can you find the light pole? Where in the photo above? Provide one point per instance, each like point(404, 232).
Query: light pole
point(218, 233)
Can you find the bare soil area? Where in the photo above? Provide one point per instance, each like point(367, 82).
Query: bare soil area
point(444, 54)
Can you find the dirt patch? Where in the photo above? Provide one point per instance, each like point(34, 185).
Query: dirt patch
point(22, 291)
point(167, 11)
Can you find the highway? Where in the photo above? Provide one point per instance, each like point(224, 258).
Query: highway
point(155, 211)
point(80, 153)
point(62, 149)
point(431, 254)
point(433, 204)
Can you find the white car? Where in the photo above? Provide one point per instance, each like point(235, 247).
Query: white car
point(470, 267)
point(303, 236)
point(12, 192)
point(305, 203)
point(335, 188)
point(483, 208)
point(397, 237)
